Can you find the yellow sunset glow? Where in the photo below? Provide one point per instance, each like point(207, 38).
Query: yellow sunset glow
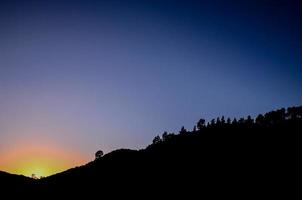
point(41, 160)
point(38, 166)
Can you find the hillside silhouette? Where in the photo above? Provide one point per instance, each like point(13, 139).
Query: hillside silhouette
point(225, 157)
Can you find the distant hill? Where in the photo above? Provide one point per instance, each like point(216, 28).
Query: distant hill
point(7, 176)
point(223, 157)
point(19, 182)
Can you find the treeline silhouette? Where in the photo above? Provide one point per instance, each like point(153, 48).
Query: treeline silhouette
point(278, 119)
point(223, 157)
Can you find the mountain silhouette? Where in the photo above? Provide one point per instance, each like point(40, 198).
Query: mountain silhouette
point(225, 157)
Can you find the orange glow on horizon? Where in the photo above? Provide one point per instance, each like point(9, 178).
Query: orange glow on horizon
point(41, 160)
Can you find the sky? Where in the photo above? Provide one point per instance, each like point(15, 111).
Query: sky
point(79, 76)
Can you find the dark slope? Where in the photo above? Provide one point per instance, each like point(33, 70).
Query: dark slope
point(18, 183)
point(12, 178)
point(246, 156)
point(251, 157)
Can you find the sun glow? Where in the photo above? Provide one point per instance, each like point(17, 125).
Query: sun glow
point(40, 160)
point(38, 166)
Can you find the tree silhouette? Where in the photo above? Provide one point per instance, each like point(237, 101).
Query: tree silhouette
point(201, 124)
point(33, 176)
point(249, 120)
point(222, 120)
point(218, 122)
point(241, 121)
point(260, 119)
point(156, 140)
point(165, 136)
point(183, 130)
point(99, 154)
point(212, 122)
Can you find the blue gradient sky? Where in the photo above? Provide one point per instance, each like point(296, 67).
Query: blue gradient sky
point(91, 75)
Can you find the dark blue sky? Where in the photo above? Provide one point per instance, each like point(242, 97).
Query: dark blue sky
point(113, 74)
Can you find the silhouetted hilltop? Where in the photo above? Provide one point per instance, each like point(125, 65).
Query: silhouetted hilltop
point(11, 177)
point(224, 156)
point(14, 182)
